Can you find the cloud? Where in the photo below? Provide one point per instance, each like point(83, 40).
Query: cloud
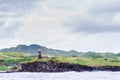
point(61, 24)
point(13, 5)
point(94, 24)
point(10, 12)
point(44, 27)
point(8, 27)
point(108, 6)
point(96, 17)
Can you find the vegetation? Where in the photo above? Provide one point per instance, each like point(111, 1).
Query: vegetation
point(8, 60)
point(11, 60)
point(32, 49)
point(83, 61)
point(3, 68)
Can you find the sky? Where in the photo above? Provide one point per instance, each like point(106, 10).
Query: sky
point(82, 25)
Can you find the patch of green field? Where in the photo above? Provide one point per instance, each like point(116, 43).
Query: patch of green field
point(83, 61)
point(91, 61)
point(9, 58)
point(3, 68)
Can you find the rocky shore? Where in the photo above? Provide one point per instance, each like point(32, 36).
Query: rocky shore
point(52, 66)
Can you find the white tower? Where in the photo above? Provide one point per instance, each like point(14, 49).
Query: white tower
point(39, 53)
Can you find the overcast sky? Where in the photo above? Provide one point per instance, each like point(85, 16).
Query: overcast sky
point(82, 25)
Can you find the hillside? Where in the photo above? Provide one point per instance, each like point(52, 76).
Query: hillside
point(11, 60)
point(8, 60)
point(32, 49)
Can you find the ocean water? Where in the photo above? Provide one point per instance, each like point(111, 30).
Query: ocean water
point(100, 75)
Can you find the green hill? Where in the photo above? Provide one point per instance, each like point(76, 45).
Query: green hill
point(8, 60)
point(32, 49)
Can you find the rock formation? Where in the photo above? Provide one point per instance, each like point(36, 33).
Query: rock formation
point(52, 66)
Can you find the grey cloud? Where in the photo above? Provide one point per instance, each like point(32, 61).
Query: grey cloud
point(91, 27)
point(9, 31)
point(65, 5)
point(11, 5)
point(93, 24)
point(108, 6)
point(98, 18)
point(16, 8)
point(10, 9)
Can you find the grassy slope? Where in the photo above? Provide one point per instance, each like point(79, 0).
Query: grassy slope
point(92, 61)
point(83, 61)
point(6, 59)
point(3, 68)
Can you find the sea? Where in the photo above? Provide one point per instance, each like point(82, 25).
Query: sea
point(96, 75)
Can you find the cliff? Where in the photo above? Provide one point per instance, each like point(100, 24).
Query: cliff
point(52, 66)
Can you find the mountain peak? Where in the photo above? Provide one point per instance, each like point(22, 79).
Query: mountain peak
point(32, 49)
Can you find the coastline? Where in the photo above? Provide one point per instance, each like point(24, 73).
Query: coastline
point(10, 71)
point(52, 66)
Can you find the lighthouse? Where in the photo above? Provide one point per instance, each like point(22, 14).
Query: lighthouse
point(39, 53)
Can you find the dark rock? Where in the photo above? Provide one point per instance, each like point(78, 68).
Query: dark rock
point(52, 66)
point(107, 68)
